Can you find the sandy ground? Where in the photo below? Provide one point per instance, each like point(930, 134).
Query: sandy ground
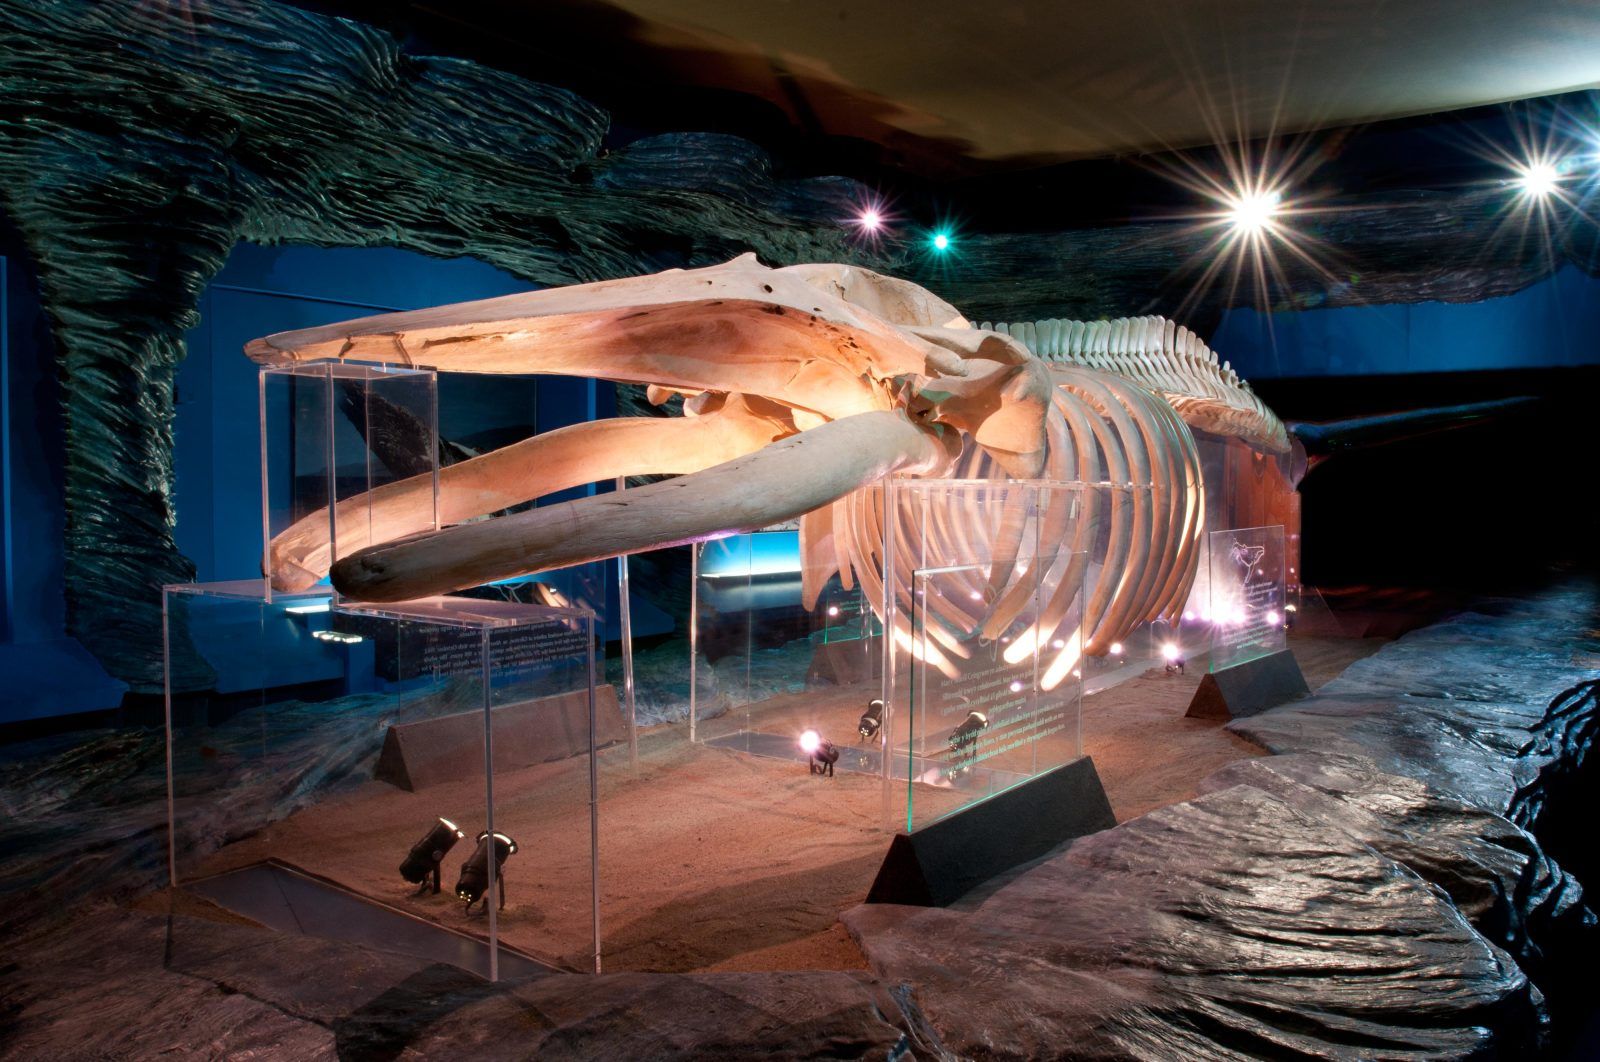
point(712, 859)
point(1148, 755)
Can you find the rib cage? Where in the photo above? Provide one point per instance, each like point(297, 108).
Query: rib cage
point(1168, 359)
point(1145, 502)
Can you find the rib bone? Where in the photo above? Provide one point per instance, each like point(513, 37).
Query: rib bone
point(543, 464)
point(779, 482)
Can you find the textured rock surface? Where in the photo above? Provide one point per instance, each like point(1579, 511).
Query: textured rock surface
point(1231, 925)
point(1461, 705)
point(128, 986)
point(1363, 896)
point(1492, 870)
point(84, 815)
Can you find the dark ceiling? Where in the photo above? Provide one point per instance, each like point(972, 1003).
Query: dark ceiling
point(942, 104)
point(957, 86)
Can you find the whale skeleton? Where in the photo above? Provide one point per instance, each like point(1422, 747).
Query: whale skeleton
point(806, 389)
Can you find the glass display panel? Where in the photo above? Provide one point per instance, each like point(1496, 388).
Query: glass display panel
point(1247, 594)
point(1107, 520)
point(988, 663)
point(331, 434)
point(766, 668)
point(1248, 488)
point(334, 749)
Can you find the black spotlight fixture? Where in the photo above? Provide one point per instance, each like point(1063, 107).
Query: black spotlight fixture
point(1172, 653)
point(964, 743)
point(821, 753)
point(474, 880)
point(871, 721)
point(422, 862)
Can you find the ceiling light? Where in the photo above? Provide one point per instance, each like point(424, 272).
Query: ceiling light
point(1538, 179)
point(1253, 211)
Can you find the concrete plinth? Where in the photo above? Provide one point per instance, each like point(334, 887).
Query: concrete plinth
point(938, 864)
point(430, 751)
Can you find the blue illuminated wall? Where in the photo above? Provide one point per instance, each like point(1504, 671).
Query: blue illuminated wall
point(764, 554)
point(263, 290)
point(42, 671)
point(1548, 325)
point(216, 457)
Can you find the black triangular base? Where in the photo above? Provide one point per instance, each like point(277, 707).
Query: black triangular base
point(391, 766)
point(940, 863)
point(1249, 688)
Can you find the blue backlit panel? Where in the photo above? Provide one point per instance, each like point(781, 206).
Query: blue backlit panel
point(763, 554)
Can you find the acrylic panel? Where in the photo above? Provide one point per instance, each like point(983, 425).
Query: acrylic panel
point(766, 665)
point(333, 433)
point(1247, 595)
point(987, 660)
point(335, 743)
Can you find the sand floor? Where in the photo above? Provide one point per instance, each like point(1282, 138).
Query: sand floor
point(714, 859)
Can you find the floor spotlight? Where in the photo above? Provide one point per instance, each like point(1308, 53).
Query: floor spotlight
point(422, 862)
point(821, 753)
point(871, 720)
point(1172, 653)
point(964, 743)
point(474, 880)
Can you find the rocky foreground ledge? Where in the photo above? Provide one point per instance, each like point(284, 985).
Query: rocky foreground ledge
point(1381, 887)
